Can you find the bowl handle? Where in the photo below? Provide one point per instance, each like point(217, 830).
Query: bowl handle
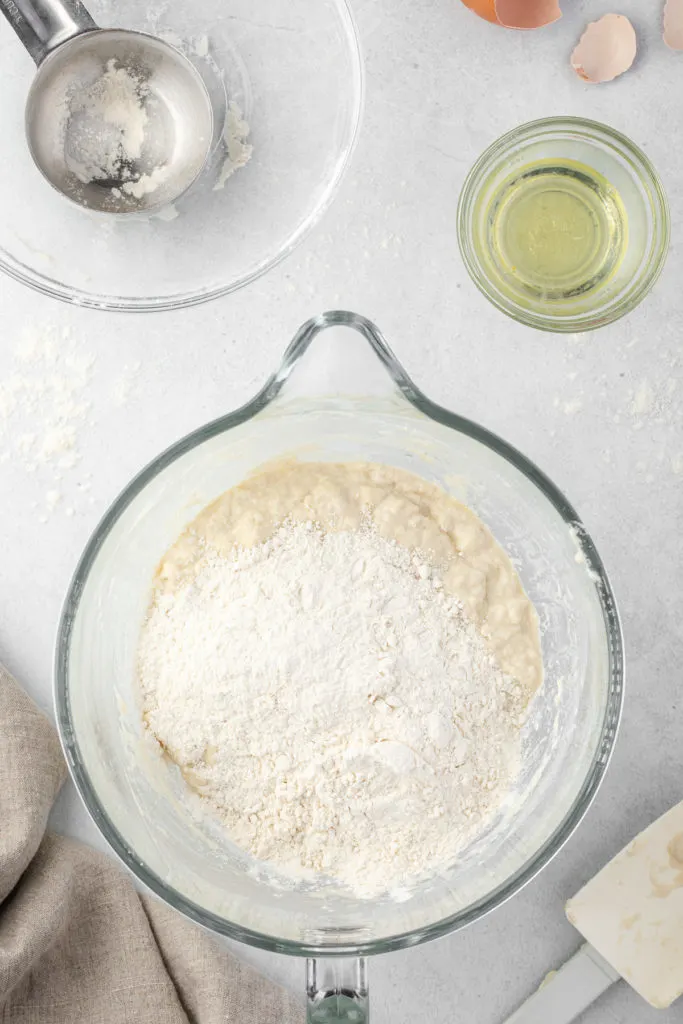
point(337, 990)
point(339, 354)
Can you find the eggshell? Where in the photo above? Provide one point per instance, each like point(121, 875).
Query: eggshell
point(484, 8)
point(606, 49)
point(527, 13)
point(673, 24)
point(516, 13)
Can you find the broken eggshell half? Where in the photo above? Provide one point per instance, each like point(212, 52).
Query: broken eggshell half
point(522, 14)
point(606, 49)
point(673, 24)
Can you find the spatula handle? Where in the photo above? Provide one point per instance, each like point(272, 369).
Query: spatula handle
point(568, 991)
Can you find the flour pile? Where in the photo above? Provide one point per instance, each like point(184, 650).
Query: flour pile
point(104, 131)
point(333, 705)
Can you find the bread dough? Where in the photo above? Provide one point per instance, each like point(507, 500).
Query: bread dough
point(403, 507)
point(339, 658)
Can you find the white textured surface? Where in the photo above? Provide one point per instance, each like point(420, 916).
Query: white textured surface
point(595, 412)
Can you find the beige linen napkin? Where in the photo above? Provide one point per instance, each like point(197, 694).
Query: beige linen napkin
point(78, 943)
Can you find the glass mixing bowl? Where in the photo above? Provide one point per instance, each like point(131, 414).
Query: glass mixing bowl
point(339, 394)
point(288, 72)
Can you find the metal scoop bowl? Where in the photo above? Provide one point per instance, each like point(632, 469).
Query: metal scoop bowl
point(68, 134)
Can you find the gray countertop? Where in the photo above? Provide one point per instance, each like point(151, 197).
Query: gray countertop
point(600, 413)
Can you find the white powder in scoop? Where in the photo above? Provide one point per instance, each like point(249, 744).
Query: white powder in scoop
point(146, 183)
point(333, 704)
point(104, 133)
point(105, 126)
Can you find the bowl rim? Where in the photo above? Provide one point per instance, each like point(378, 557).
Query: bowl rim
point(45, 285)
point(595, 132)
point(613, 634)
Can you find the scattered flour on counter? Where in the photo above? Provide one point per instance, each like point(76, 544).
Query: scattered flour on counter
point(44, 405)
point(43, 399)
point(569, 408)
point(643, 400)
point(200, 46)
point(46, 408)
point(52, 499)
point(656, 402)
point(125, 383)
point(332, 702)
point(235, 140)
point(168, 213)
point(647, 409)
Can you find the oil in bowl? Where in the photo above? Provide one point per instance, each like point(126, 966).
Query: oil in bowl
point(563, 224)
point(556, 230)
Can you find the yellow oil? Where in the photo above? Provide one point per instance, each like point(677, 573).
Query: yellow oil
point(556, 232)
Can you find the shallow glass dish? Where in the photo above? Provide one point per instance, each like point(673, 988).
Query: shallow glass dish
point(623, 165)
point(290, 69)
point(338, 395)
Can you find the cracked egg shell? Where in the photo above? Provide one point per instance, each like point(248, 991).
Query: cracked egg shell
point(606, 49)
point(527, 13)
point(517, 13)
point(673, 24)
point(484, 8)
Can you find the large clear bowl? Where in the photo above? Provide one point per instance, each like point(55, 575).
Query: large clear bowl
point(339, 394)
point(292, 68)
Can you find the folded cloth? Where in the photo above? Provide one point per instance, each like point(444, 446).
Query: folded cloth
point(78, 943)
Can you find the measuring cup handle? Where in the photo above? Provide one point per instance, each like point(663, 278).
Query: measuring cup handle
point(42, 25)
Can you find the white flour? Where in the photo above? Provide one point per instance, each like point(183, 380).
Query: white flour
point(44, 406)
point(48, 384)
point(236, 130)
point(333, 704)
point(105, 127)
point(146, 183)
point(235, 137)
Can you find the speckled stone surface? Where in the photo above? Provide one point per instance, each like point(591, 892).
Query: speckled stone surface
point(601, 413)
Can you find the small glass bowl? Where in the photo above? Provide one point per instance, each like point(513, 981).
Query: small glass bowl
point(627, 170)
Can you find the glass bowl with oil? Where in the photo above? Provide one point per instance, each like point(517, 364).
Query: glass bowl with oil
point(563, 224)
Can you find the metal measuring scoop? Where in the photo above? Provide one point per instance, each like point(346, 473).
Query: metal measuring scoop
point(63, 128)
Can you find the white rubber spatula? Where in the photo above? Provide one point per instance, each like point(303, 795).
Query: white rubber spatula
point(631, 915)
